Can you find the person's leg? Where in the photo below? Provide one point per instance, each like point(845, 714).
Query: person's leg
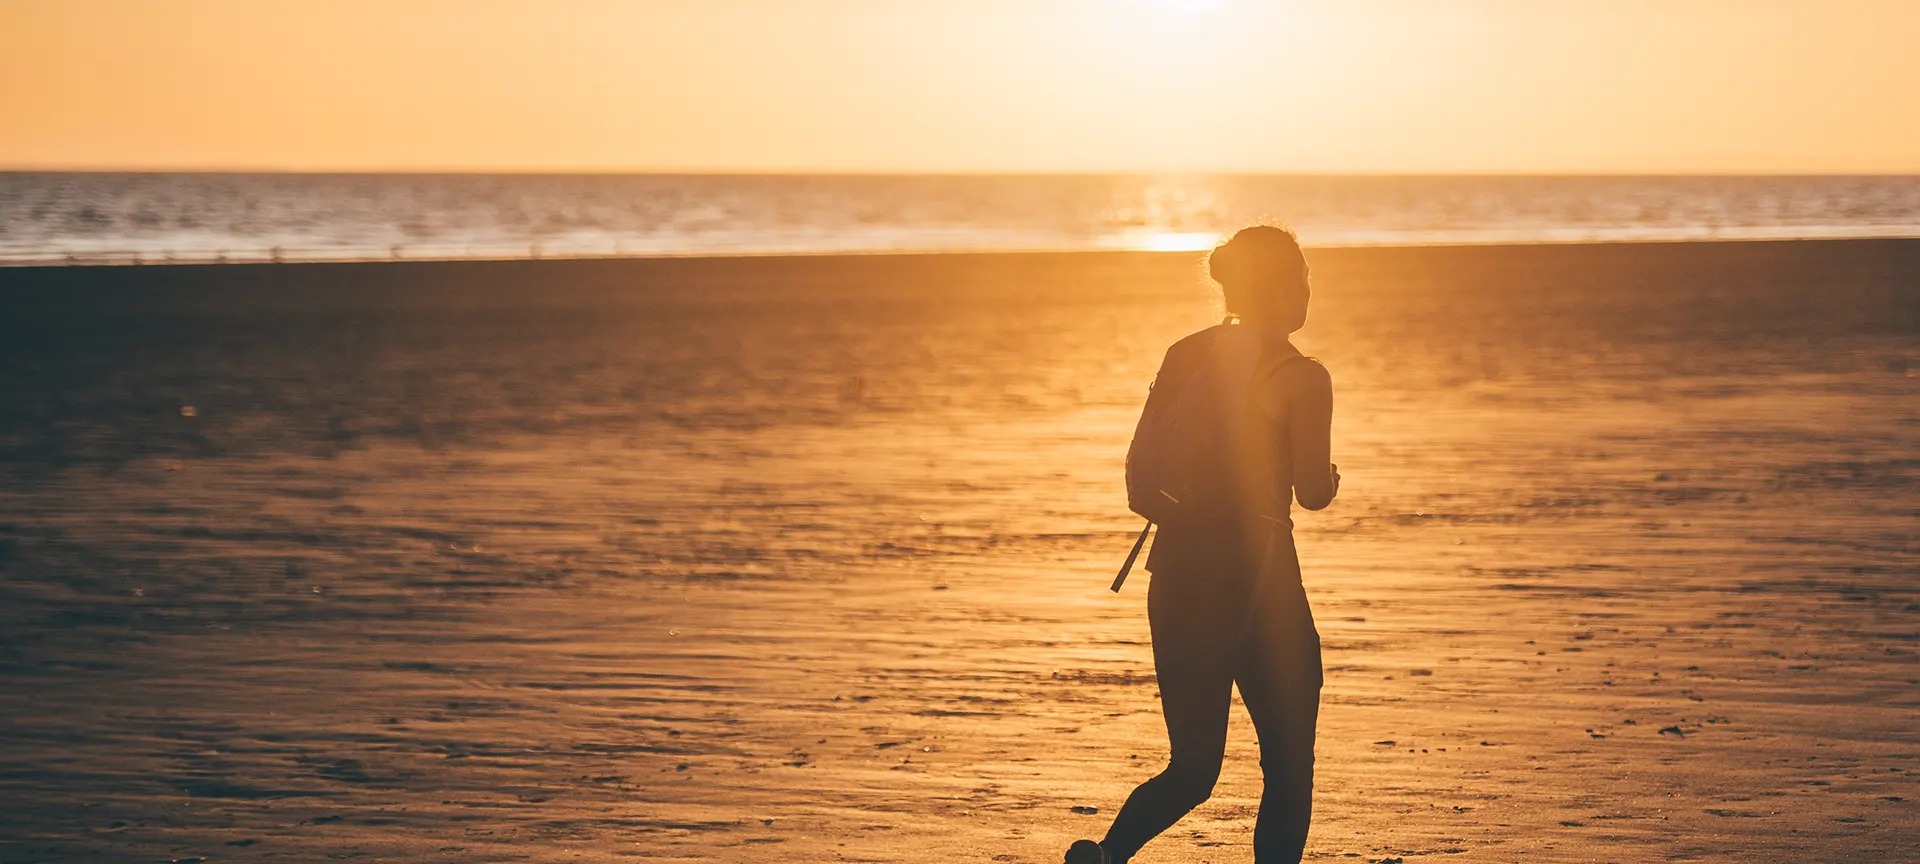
point(1193, 663)
point(1279, 680)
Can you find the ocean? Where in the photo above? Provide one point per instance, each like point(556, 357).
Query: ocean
point(156, 218)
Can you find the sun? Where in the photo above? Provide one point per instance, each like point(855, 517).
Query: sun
point(1178, 5)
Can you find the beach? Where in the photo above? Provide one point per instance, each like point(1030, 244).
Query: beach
point(805, 558)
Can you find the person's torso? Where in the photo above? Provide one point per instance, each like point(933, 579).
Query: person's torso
point(1256, 450)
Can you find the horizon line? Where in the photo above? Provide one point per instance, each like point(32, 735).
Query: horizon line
point(564, 171)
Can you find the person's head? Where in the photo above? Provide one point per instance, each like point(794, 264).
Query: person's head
point(1263, 275)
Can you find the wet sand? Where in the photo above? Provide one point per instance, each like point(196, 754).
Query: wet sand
point(805, 559)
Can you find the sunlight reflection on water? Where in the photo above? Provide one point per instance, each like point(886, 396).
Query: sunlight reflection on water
point(1187, 241)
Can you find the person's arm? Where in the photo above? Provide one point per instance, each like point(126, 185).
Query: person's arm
point(1316, 480)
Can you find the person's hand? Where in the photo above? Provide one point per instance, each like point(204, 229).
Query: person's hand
point(1333, 468)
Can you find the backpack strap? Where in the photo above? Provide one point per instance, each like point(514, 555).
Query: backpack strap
point(1127, 565)
point(1270, 364)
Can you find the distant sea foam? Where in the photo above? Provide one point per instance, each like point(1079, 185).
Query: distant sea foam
point(156, 218)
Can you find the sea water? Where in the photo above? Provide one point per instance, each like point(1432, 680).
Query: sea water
point(149, 218)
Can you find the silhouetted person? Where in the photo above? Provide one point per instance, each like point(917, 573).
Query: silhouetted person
point(1226, 603)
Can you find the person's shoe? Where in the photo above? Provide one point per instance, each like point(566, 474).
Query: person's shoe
point(1086, 852)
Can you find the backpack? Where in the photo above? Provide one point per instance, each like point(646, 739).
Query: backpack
point(1181, 468)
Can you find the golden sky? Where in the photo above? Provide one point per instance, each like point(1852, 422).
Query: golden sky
point(1719, 86)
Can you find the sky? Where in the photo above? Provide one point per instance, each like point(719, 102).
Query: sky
point(1449, 86)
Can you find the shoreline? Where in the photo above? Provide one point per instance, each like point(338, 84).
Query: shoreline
point(137, 261)
point(1739, 290)
point(1896, 259)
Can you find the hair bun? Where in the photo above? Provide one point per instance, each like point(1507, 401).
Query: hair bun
point(1222, 263)
point(1257, 250)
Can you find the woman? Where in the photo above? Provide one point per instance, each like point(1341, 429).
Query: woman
point(1226, 603)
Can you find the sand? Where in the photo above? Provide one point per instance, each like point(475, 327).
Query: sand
point(806, 559)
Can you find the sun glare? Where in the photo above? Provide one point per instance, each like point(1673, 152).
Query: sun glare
point(1178, 5)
